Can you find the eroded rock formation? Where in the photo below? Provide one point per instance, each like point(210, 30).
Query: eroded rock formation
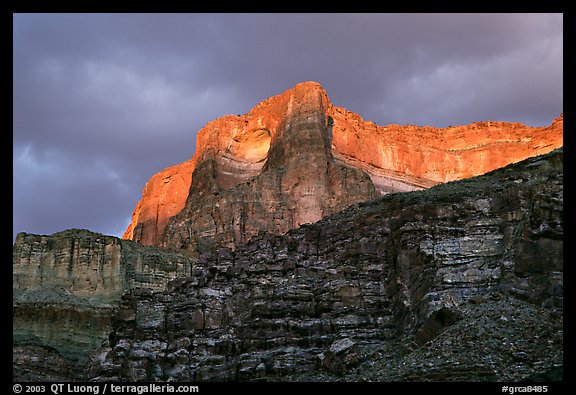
point(296, 158)
point(289, 179)
point(463, 281)
point(163, 197)
point(273, 258)
point(409, 157)
point(67, 287)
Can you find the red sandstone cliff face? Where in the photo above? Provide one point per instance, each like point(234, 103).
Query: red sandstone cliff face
point(295, 158)
point(163, 197)
point(411, 157)
point(270, 170)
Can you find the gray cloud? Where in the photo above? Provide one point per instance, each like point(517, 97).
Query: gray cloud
point(103, 101)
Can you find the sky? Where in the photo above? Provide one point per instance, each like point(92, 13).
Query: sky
point(101, 102)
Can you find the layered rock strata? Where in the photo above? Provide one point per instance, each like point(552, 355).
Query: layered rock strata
point(67, 287)
point(409, 157)
point(296, 158)
point(290, 178)
point(383, 290)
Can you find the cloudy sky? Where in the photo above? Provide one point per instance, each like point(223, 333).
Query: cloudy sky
point(101, 102)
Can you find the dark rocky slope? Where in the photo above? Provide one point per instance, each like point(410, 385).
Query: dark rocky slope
point(463, 281)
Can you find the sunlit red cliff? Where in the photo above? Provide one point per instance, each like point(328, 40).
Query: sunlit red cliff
point(296, 158)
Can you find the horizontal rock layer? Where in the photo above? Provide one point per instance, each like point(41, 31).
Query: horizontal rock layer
point(66, 287)
point(408, 157)
point(379, 291)
point(296, 158)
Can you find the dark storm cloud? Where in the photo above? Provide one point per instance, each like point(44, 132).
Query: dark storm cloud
point(103, 101)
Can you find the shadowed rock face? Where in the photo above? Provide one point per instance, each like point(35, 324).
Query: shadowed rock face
point(67, 287)
point(296, 158)
point(459, 282)
point(382, 291)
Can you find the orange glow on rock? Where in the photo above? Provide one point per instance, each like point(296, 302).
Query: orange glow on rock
point(309, 178)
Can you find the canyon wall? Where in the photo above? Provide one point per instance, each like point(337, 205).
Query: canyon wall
point(385, 290)
point(271, 255)
point(410, 157)
point(296, 158)
point(290, 180)
point(67, 286)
